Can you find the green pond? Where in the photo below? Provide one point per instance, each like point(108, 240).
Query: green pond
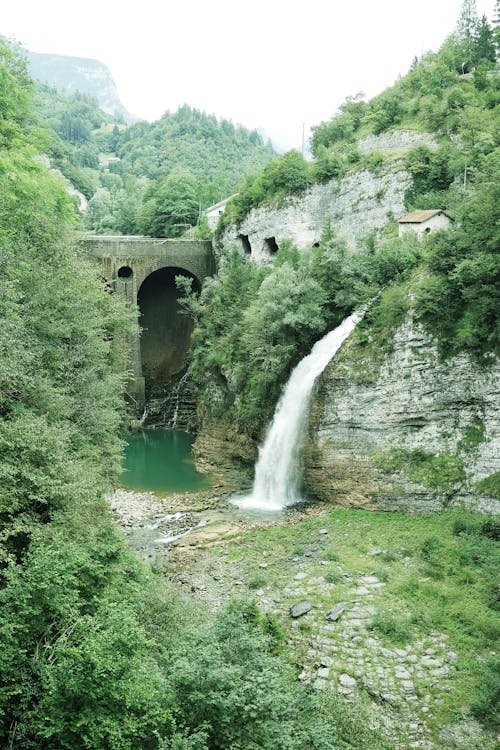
point(161, 461)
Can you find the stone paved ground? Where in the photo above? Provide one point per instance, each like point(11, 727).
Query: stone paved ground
point(404, 684)
point(329, 608)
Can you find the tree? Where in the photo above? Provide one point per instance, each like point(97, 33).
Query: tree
point(484, 48)
point(171, 206)
point(467, 29)
point(15, 92)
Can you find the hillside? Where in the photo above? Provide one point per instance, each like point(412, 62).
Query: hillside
point(126, 172)
point(71, 75)
point(457, 105)
point(323, 238)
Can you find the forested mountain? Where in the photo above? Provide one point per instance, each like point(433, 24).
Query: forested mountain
point(216, 151)
point(145, 178)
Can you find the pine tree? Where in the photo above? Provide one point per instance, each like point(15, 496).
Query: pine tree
point(467, 29)
point(484, 47)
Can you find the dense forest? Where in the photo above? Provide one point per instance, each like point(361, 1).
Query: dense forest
point(98, 651)
point(151, 179)
point(255, 323)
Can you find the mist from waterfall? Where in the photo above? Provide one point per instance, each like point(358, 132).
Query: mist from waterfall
point(278, 476)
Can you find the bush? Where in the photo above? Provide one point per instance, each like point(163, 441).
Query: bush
point(486, 706)
point(396, 629)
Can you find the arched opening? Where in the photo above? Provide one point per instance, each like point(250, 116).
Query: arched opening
point(270, 245)
point(245, 244)
point(166, 330)
point(125, 273)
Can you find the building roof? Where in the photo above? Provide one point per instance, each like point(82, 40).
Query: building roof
point(220, 204)
point(417, 217)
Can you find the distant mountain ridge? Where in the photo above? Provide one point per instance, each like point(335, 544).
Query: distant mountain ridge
point(71, 74)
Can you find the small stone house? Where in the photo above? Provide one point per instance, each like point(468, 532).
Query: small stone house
point(212, 213)
point(424, 222)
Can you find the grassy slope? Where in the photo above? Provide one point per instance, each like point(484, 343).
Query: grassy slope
point(439, 594)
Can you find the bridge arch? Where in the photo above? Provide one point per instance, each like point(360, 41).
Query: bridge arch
point(165, 328)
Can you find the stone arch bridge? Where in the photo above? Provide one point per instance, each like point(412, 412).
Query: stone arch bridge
point(143, 270)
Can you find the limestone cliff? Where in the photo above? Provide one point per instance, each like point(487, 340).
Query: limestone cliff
point(357, 204)
point(72, 74)
point(411, 433)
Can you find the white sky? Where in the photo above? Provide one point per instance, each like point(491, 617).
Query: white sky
point(263, 63)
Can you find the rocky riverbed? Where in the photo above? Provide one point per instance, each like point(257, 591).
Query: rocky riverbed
point(342, 587)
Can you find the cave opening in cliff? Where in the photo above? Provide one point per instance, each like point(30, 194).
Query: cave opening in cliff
point(271, 246)
point(165, 328)
point(245, 244)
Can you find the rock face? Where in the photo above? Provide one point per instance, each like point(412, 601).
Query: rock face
point(72, 74)
point(225, 454)
point(356, 205)
point(398, 140)
point(366, 427)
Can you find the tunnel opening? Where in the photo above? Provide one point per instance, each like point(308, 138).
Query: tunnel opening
point(245, 244)
point(165, 328)
point(270, 245)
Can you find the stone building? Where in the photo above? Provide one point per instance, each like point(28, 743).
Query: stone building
point(424, 222)
point(212, 213)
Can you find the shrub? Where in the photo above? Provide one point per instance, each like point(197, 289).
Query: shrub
point(396, 629)
point(486, 706)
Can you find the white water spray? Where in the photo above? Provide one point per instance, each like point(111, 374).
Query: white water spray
point(277, 480)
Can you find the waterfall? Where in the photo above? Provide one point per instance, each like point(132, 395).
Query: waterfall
point(277, 480)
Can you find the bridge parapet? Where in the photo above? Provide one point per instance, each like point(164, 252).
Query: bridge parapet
point(144, 255)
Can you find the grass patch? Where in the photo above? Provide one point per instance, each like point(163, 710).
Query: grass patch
point(396, 629)
point(489, 485)
point(440, 472)
point(333, 576)
point(441, 575)
point(474, 435)
point(257, 581)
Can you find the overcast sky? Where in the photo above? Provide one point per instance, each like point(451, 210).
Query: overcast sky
point(264, 63)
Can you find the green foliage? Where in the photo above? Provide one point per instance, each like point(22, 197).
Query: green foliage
point(257, 581)
point(490, 485)
point(255, 323)
point(439, 472)
point(474, 435)
point(289, 174)
point(96, 651)
point(252, 323)
point(488, 527)
point(396, 629)
point(232, 688)
point(486, 706)
point(217, 153)
point(15, 94)
point(215, 156)
point(170, 206)
point(340, 129)
point(458, 301)
point(433, 173)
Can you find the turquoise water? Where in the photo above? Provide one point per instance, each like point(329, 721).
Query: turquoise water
point(161, 461)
